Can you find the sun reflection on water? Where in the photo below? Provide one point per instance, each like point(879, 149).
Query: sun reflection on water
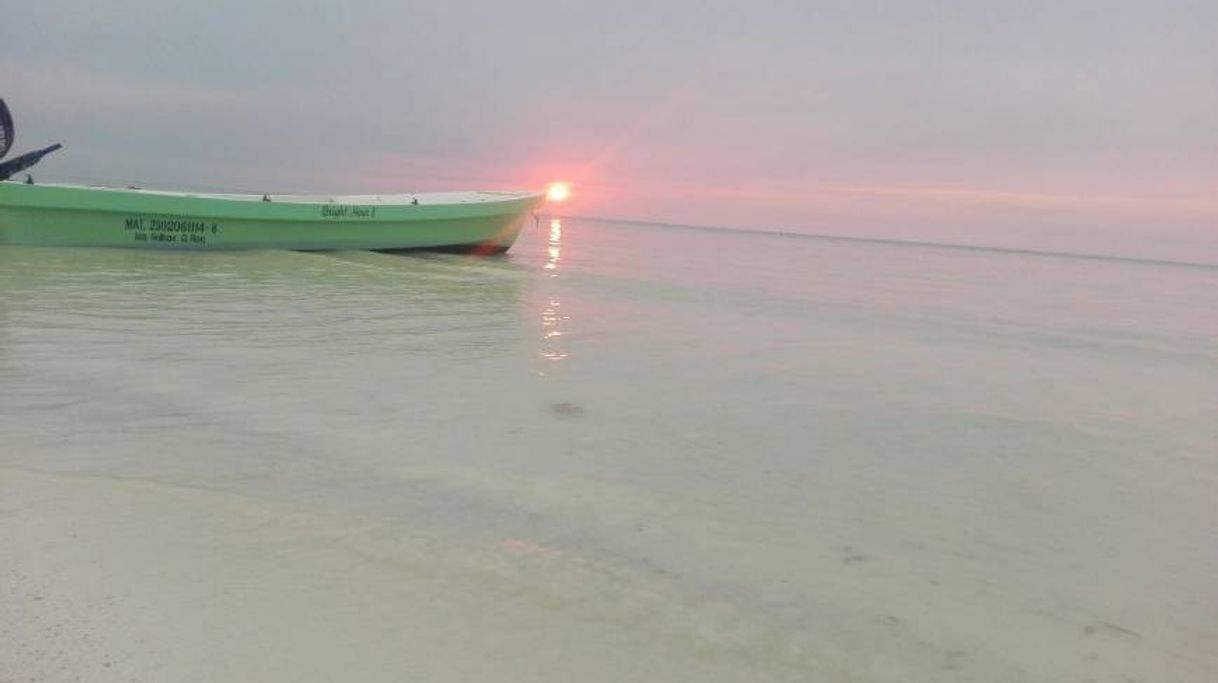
point(552, 316)
point(555, 247)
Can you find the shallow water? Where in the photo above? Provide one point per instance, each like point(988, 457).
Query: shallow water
point(623, 452)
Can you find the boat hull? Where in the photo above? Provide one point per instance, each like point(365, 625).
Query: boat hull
point(56, 215)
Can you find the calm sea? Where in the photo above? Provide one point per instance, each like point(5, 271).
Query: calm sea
point(622, 453)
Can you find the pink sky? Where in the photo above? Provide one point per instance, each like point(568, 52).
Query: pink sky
point(1047, 124)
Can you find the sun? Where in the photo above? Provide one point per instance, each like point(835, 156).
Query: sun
point(558, 192)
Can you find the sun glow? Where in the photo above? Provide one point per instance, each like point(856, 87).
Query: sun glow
point(558, 192)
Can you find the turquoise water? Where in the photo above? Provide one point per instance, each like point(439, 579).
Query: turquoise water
point(623, 452)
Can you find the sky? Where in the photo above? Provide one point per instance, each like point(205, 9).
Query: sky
point(1063, 123)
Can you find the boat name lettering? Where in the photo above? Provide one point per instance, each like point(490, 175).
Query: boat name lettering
point(170, 229)
point(186, 225)
point(347, 211)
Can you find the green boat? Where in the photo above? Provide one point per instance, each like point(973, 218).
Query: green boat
point(69, 215)
point(63, 215)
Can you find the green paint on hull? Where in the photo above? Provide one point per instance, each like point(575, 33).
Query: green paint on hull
point(86, 216)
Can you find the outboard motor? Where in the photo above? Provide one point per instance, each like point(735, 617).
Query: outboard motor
point(19, 163)
point(6, 129)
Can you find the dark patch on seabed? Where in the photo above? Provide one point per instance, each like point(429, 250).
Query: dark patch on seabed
point(566, 409)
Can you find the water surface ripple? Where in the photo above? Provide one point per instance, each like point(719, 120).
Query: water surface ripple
point(623, 452)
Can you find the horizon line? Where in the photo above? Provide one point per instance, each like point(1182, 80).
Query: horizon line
point(774, 232)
